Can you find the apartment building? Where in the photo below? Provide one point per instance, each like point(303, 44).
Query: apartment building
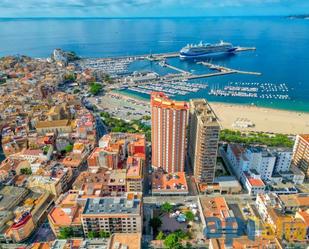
point(168, 131)
point(300, 157)
point(203, 138)
point(113, 214)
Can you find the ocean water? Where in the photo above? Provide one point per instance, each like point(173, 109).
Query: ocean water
point(282, 54)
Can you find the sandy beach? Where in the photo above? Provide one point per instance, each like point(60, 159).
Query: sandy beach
point(264, 119)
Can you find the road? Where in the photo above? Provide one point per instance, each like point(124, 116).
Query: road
point(100, 127)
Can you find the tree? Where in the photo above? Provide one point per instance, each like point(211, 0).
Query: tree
point(182, 235)
point(66, 232)
point(103, 234)
point(68, 148)
point(146, 117)
point(172, 241)
point(155, 223)
point(189, 216)
point(75, 91)
point(188, 245)
point(160, 236)
point(26, 171)
point(166, 207)
point(92, 234)
point(95, 88)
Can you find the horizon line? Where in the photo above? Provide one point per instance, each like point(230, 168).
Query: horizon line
point(144, 17)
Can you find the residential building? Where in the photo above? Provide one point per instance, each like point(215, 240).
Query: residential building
point(135, 174)
point(283, 160)
point(203, 137)
point(169, 184)
point(254, 185)
point(279, 213)
point(300, 157)
point(272, 165)
point(262, 161)
point(66, 213)
point(128, 241)
point(22, 228)
point(215, 207)
point(114, 149)
point(169, 121)
point(102, 159)
point(238, 160)
point(222, 185)
point(53, 180)
point(244, 242)
point(113, 214)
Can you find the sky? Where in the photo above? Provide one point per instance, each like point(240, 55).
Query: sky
point(150, 8)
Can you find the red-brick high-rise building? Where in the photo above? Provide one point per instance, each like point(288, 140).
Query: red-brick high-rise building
point(169, 122)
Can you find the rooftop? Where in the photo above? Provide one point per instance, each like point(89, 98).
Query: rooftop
point(305, 137)
point(215, 207)
point(295, 200)
point(159, 99)
point(162, 182)
point(204, 111)
point(67, 212)
point(55, 123)
point(125, 241)
point(112, 205)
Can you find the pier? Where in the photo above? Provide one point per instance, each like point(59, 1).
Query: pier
point(226, 70)
point(165, 64)
point(201, 76)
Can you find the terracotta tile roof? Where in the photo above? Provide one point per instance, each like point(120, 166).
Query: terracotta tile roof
point(256, 182)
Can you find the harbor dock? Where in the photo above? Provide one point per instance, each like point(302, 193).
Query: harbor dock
point(165, 64)
point(226, 70)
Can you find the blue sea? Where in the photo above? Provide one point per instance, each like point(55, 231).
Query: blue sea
point(282, 44)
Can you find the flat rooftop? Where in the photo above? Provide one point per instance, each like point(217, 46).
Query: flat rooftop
point(126, 241)
point(112, 205)
point(162, 182)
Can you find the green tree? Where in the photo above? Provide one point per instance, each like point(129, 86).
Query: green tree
point(146, 117)
point(92, 234)
point(160, 236)
point(95, 88)
point(103, 234)
point(166, 207)
point(155, 223)
point(75, 91)
point(189, 216)
point(68, 148)
point(65, 233)
point(188, 245)
point(172, 241)
point(26, 171)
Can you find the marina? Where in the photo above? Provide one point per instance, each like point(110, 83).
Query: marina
point(252, 90)
point(171, 88)
point(178, 83)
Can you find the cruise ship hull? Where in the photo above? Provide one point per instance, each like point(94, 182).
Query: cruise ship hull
point(184, 55)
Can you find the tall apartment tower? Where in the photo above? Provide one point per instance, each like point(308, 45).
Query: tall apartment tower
point(301, 154)
point(203, 137)
point(168, 131)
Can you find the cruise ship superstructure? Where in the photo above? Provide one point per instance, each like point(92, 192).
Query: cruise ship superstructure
point(206, 49)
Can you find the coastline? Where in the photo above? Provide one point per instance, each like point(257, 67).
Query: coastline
point(265, 119)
